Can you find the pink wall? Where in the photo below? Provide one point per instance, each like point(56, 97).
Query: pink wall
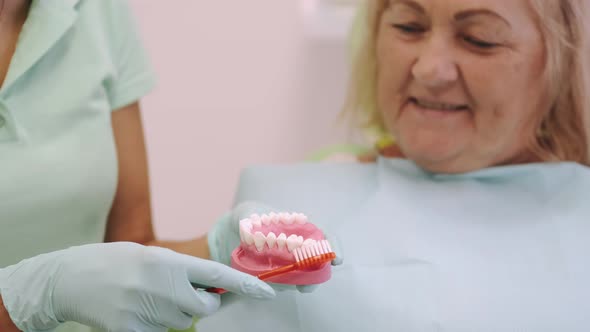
point(239, 83)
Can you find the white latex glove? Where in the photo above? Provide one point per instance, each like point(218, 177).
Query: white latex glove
point(118, 287)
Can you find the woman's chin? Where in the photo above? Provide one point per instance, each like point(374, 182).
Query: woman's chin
point(438, 158)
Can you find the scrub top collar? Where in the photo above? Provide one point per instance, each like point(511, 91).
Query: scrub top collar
point(46, 24)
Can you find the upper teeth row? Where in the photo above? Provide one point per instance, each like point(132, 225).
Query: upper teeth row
point(275, 218)
point(428, 104)
point(271, 239)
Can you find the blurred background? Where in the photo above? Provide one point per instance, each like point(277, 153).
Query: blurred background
point(239, 83)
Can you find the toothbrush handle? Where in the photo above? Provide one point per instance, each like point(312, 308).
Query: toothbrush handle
point(278, 271)
point(216, 290)
point(263, 276)
point(313, 261)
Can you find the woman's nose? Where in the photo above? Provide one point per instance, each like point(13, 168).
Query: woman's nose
point(435, 66)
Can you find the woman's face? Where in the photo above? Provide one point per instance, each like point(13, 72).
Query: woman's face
point(460, 83)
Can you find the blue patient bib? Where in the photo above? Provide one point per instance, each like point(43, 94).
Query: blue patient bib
point(502, 249)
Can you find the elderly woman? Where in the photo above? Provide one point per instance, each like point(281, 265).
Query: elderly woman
point(477, 218)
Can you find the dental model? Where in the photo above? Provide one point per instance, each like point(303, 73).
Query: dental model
point(272, 241)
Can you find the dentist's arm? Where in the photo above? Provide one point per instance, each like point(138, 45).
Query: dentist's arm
point(120, 286)
point(130, 218)
point(6, 324)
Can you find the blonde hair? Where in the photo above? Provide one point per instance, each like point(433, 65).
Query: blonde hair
point(563, 132)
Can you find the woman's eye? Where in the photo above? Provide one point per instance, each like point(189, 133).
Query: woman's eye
point(408, 28)
point(479, 43)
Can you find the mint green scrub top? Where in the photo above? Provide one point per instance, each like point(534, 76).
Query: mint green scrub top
point(75, 62)
point(503, 249)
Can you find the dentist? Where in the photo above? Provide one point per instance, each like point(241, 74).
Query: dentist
point(73, 175)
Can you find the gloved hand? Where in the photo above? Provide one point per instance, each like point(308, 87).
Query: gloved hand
point(224, 237)
point(118, 287)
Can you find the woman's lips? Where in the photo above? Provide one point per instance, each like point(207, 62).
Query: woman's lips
point(438, 105)
point(428, 110)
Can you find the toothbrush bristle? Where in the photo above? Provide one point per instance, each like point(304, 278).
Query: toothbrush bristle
point(308, 252)
point(316, 253)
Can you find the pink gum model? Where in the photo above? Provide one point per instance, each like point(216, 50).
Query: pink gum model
point(268, 241)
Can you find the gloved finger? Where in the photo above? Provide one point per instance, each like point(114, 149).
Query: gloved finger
point(139, 326)
point(199, 303)
point(212, 302)
point(307, 288)
point(281, 287)
point(335, 244)
point(223, 238)
point(214, 274)
point(178, 320)
point(300, 288)
point(190, 301)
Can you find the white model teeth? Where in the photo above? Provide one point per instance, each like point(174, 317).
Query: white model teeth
point(246, 230)
point(243, 232)
point(294, 242)
point(255, 219)
point(271, 239)
point(265, 219)
point(281, 241)
point(259, 240)
point(249, 238)
point(274, 218)
point(290, 219)
point(283, 216)
point(278, 218)
point(440, 106)
point(300, 218)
